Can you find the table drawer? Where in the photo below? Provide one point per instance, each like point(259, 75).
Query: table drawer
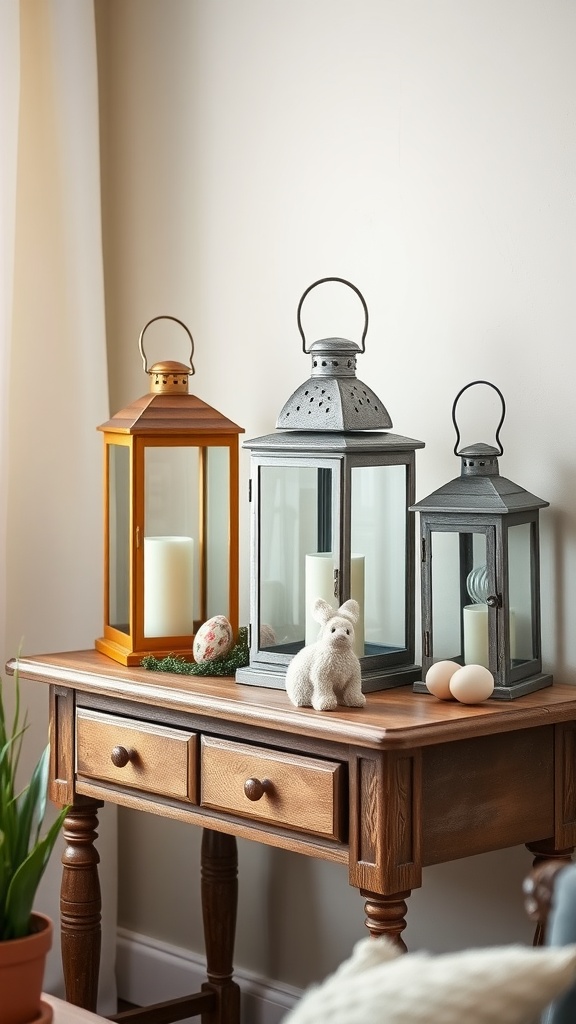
point(142, 755)
point(301, 793)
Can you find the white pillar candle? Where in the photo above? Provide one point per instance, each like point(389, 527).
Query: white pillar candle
point(476, 635)
point(319, 582)
point(168, 586)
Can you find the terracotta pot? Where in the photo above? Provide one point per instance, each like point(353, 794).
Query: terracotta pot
point(22, 963)
point(46, 1014)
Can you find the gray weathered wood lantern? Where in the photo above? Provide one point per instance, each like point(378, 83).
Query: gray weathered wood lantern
point(330, 497)
point(480, 571)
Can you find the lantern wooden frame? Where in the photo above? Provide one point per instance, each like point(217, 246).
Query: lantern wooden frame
point(510, 680)
point(481, 503)
point(168, 418)
point(336, 425)
point(338, 454)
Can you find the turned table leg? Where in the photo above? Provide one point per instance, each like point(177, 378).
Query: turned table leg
point(80, 905)
point(386, 915)
point(219, 887)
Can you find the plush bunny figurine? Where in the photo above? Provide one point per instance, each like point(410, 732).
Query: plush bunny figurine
point(326, 673)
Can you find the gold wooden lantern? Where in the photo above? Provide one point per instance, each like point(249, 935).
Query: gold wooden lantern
point(170, 517)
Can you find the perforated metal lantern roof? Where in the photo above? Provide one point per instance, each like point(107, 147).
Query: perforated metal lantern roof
point(480, 488)
point(333, 399)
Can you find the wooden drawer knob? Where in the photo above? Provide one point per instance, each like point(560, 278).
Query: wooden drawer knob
point(254, 789)
point(120, 756)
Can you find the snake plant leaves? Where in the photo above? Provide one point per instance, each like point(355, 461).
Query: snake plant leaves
point(24, 851)
point(25, 881)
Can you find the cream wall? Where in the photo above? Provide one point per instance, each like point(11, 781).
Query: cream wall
point(427, 152)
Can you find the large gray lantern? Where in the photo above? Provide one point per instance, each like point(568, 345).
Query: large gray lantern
point(480, 571)
point(330, 518)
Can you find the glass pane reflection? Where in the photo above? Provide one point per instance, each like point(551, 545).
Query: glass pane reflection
point(119, 537)
point(378, 543)
point(520, 593)
point(295, 520)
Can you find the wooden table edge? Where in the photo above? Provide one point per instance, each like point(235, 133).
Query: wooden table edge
point(430, 721)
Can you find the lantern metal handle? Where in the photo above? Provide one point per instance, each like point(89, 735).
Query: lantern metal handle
point(176, 321)
point(460, 393)
point(339, 280)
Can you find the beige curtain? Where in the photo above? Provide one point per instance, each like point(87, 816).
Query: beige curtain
point(53, 377)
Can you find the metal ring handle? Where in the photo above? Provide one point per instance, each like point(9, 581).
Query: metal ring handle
point(176, 321)
point(460, 393)
point(339, 280)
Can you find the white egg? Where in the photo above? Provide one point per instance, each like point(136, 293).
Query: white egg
point(438, 678)
point(472, 684)
point(213, 640)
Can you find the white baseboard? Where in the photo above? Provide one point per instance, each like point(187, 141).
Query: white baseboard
point(149, 971)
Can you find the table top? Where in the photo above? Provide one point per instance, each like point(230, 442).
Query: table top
point(395, 718)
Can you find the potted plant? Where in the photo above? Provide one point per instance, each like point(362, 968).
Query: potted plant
point(25, 936)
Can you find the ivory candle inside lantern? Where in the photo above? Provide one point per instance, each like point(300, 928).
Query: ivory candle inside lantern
point(168, 586)
point(319, 582)
point(476, 635)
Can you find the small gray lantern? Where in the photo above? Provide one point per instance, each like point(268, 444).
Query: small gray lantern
point(330, 497)
point(480, 571)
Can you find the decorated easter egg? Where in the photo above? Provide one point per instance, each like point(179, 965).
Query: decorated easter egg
point(472, 684)
point(438, 678)
point(213, 640)
point(267, 635)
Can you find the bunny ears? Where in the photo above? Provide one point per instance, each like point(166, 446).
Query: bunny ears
point(323, 612)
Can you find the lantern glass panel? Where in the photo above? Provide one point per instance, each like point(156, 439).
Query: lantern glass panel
point(217, 529)
point(459, 590)
point(294, 552)
point(119, 537)
point(171, 540)
point(378, 548)
point(521, 596)
point(446, 603)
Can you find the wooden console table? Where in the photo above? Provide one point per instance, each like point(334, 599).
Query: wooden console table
point(388, 789)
